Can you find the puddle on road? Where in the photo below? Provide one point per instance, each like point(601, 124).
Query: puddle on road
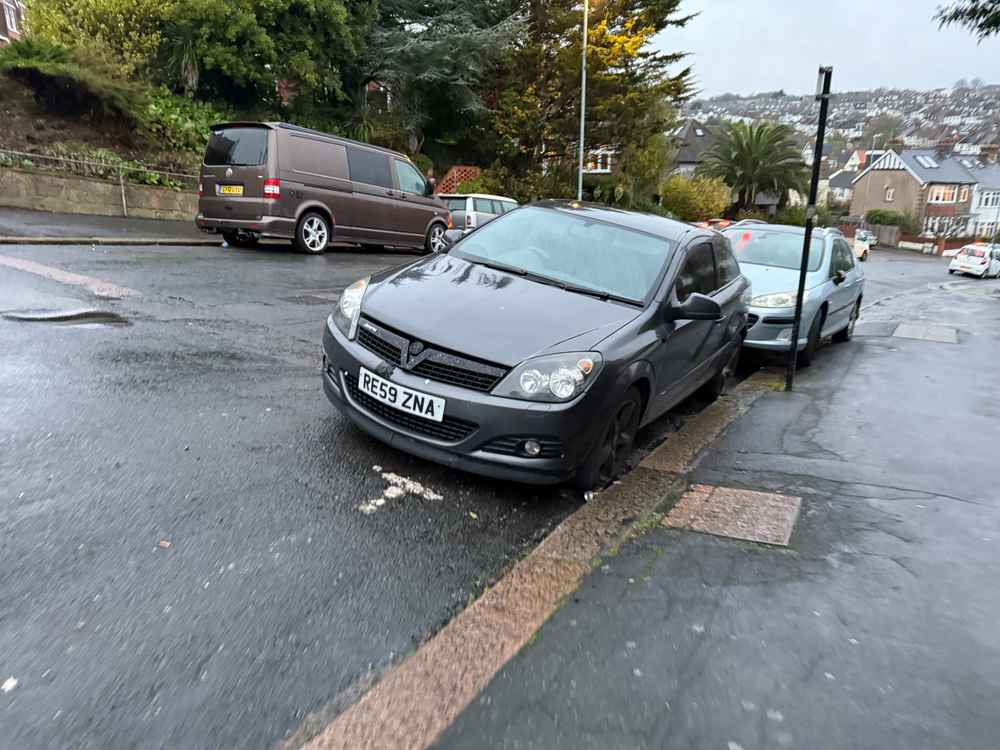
point(87, 318)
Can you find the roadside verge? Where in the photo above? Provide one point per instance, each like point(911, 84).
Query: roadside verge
point(418, 699)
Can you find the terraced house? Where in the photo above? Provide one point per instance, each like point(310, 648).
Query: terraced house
point(933, 185)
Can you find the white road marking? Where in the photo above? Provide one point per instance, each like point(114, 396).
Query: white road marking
point(95, 286)
point(9, 684)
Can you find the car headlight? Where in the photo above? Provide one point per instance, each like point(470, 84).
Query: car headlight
point(348, 310)
point(554, 378)
point(777, 299)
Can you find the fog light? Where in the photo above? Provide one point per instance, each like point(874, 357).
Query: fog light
point(785, 335)
point(532, 447)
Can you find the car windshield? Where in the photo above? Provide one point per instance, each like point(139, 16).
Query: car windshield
point(571, 248)
point(765, 247)
point(237, 147)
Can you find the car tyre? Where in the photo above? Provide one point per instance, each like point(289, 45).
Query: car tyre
point(842, 337)
point(240, 239)
point(807, 355)
point(609, 459)
point(436, 242)
point(312, 235)
point(717, 385)
point(951, 270)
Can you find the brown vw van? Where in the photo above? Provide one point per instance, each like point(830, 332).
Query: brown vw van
point(279, 180)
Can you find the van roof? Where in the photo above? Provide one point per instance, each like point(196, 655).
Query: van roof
point(310, 131)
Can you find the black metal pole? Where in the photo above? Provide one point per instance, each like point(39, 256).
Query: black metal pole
point(823, 94)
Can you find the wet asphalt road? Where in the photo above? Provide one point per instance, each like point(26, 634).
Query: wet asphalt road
point(185, 561)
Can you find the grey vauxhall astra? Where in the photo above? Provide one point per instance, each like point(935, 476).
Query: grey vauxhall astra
point(535, 347)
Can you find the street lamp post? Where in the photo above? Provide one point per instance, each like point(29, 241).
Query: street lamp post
point(583, 99)
point(823, 95)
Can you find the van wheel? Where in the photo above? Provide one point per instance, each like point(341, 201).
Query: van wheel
point(436, 242)
point(312, 234)
point(610, 457)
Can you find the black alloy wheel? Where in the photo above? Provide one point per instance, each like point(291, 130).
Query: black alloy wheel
point(610, 457)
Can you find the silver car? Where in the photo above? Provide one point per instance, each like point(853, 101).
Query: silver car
point(770, 256)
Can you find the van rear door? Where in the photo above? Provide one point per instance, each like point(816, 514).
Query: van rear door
point(234, 173)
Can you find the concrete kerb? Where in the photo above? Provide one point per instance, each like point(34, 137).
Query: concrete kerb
point(170, 241)
point(423, 695)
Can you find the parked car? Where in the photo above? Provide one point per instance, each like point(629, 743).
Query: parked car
point(977, 260)
point(279, 180)
point(536, 346)
point(770, 256)
point(866, 235)
point(472, 210)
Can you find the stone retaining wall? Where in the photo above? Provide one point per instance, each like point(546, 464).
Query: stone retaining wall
point(70, 194)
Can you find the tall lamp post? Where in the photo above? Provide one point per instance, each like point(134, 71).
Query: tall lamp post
point(823, 95)
point(583, 99)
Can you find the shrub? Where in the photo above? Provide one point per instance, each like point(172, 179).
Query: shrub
point(694, 198)
point(76, 81)
point(906, 223)
point(178, 122)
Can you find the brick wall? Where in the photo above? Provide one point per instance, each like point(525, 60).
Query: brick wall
point(455, 177)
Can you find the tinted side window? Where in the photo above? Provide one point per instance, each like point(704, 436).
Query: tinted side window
point(507, 206)
point(369, 167)
point(409, 178)
point(842, 259)
point(698, 273)
point(486, 206)
point(312, 156)
point(725, 262)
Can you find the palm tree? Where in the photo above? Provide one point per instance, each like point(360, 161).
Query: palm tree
point(754, 159)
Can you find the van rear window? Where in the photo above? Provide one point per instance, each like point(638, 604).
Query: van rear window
point(237, 147)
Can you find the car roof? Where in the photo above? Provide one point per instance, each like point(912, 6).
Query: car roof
point(660, 226)
point(476, 195)
point(790, 229)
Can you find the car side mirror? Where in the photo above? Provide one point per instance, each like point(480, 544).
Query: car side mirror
point(695, 307)
point(840, 277)
point(429, 184)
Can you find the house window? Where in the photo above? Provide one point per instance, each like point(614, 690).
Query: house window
point(890, 194)
point(599, 162)
point(10, 16)
point(963, 194)
point(989, 200)
point(943, 194)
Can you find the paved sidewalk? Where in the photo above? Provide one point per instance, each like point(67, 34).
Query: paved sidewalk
point(17, 222)
point(875, 628)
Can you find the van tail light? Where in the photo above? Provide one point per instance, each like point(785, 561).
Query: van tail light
point(201, 191)
point(272, 188)
point(451, 224)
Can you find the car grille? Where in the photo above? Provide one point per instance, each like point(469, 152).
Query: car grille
point(431, 363)
point(449, 430)
point(511, 446)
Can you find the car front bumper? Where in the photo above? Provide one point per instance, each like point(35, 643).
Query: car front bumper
point(572, 429)
point(265, 226)
point(771, 328)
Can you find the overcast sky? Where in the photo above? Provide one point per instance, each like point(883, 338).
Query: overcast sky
point(743, 46)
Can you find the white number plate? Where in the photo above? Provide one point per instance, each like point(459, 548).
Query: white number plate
point(398, 397)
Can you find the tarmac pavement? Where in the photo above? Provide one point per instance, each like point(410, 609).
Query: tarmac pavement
point(874, 628)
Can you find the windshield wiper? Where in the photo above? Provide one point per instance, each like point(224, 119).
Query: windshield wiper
point(551, 281)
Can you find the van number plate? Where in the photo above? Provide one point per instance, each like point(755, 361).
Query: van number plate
point(398, 397)
point(230, 190)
